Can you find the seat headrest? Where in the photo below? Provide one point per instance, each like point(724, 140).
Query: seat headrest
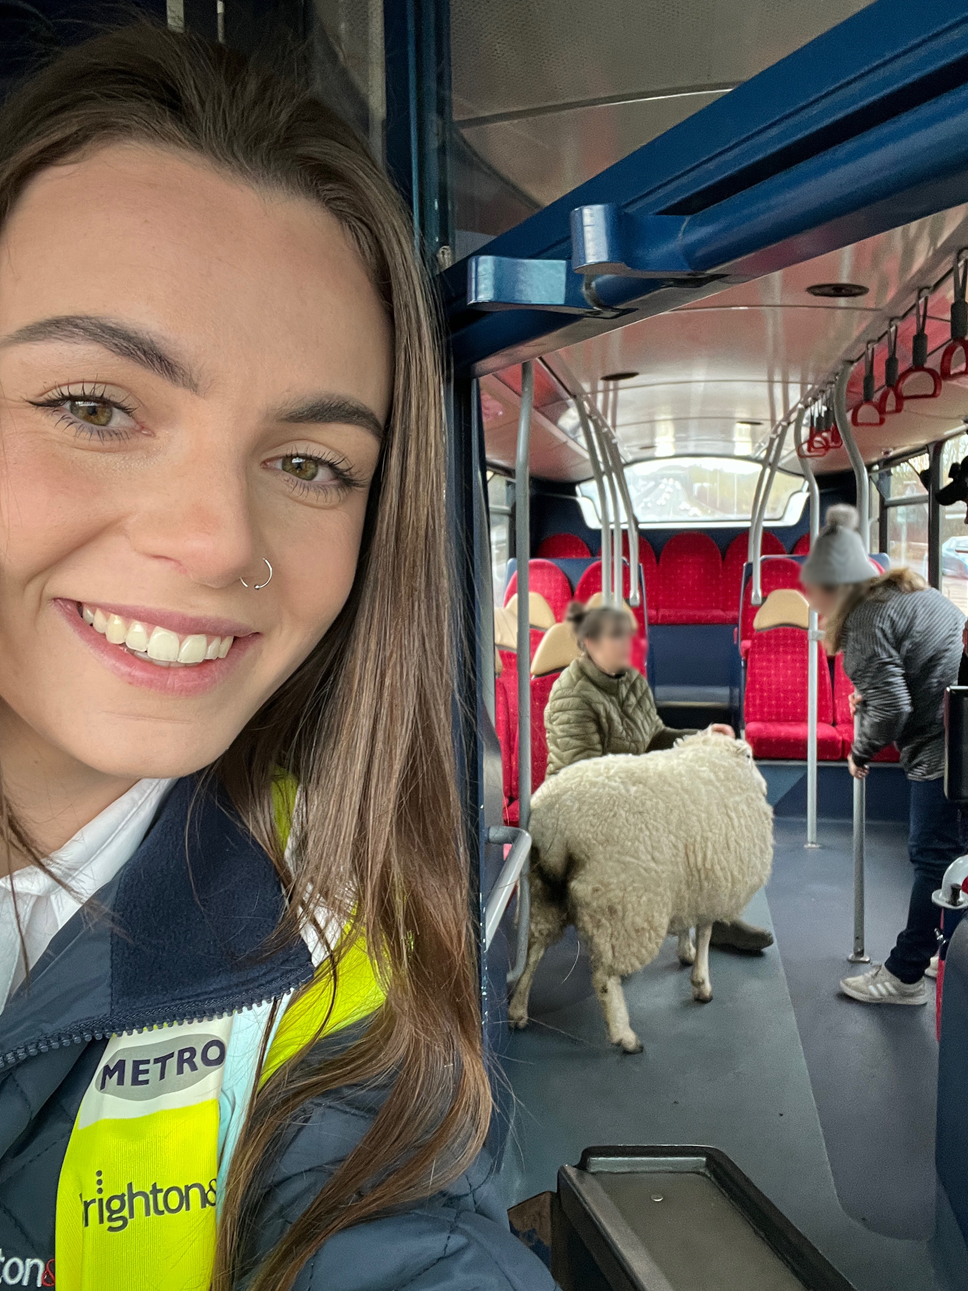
point(598, 599)
point(540, 613)
point(786, 607)
point(556, 650)
point(505, 629)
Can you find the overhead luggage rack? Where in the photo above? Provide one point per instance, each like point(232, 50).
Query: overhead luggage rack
point(676, 1219)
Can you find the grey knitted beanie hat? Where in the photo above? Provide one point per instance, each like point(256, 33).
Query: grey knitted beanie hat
point(838, 556)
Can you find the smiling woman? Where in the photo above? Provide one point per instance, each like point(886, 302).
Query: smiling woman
point(229, 807)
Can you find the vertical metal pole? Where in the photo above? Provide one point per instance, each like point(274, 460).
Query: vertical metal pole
point(591, 444)
point(631, 521)
point(859, 954)
point(612, 595)
point(813, 636)
point(757, 495)
point(522, 545)
point(934, 515)
point(756, 542)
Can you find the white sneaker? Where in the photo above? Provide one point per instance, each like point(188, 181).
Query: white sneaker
point(878, 986)
point(932, 968)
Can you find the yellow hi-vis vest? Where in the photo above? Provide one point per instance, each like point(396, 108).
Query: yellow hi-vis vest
point(138, 1193)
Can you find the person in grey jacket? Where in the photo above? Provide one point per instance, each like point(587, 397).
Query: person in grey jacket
point(241, 1042)
point(902, 648)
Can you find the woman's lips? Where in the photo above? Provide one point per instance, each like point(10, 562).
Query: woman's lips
point(164, 673)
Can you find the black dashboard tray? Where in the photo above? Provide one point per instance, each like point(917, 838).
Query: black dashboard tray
point(676, 1219)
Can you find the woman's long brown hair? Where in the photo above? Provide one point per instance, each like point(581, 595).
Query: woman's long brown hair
point(365, 723)
point(851, 595)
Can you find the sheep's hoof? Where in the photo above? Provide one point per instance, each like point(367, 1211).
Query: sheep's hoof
point(702, 992)
point(630, 1043)
point(517, 1021)
point(687, 957)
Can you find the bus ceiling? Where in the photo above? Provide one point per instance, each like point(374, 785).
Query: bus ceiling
point(723, 225)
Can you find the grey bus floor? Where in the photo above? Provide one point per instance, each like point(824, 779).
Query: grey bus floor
point(828, 1105)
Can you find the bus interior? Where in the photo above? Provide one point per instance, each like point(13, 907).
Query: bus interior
point(702, 274)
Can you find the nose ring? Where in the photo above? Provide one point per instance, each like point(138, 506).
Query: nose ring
point(257, 587)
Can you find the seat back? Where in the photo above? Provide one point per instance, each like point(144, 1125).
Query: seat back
point(540, 613)
point(548, 581)
point(802, 545)
point(776, 678)
point(557, 649)
point(690, 580)
point(540, 694)
point(775, 571)
point(786, 607)
point(505, 735)
point(563, 546)
point(734, 562)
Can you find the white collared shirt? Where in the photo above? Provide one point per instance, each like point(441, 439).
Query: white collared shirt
point(85, 864)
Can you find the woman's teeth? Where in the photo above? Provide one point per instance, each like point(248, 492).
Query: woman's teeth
point(160, 645)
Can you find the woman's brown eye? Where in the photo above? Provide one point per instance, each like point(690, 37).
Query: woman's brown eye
point(304, 468)
point(92, 411)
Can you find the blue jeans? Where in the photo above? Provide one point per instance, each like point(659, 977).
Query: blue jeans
point(935, 839)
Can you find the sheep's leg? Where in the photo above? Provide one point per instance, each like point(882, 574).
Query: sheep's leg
point(701, 987)
point(548, 921)
point(685, 949)
point(609, 991)
point(518, 1008)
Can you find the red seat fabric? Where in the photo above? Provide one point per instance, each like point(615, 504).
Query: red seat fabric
point(734, 562)
point(843, 689)
point(548, 581)
point(505, 735)
point(590, 584)
point(563, 546)
point(802, 545)
point(775, 706)
point(540, 694)
point(789, 740)
point(650, 573)
point(775, 571)
point(690, 580)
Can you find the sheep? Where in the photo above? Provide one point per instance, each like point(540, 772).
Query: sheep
point(630, 848)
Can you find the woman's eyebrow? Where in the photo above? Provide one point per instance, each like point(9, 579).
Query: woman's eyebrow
point(125, 341)
point(331, 410)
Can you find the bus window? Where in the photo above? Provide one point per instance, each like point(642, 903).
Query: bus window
point(954, 532)
point(702, 491)
point(905, 514)
point(498, 491)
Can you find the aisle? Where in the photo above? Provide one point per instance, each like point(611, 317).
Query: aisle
point(874, 1070)
point(730, 1074)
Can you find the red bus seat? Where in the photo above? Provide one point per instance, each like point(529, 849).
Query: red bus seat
point(775, 571)
point(563, 546)
point(690, 580)
point(734, 562)
point(775, 704)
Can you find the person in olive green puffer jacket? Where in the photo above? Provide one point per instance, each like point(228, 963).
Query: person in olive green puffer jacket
point(601, 704)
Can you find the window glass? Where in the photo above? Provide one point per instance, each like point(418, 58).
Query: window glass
point(347, 51)
point(905, 478)
point(498, 489)
point(704, 491)
point(907, 537)
point(954, 531)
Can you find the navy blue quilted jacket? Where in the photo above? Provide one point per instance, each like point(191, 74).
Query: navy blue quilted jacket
point(173, 937)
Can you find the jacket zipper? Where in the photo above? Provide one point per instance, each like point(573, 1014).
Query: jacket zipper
point(209, 1013)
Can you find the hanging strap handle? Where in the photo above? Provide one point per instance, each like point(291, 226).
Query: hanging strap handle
point(959, 305)
point(869, 372)
point(919, 341)
point(891, 363)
